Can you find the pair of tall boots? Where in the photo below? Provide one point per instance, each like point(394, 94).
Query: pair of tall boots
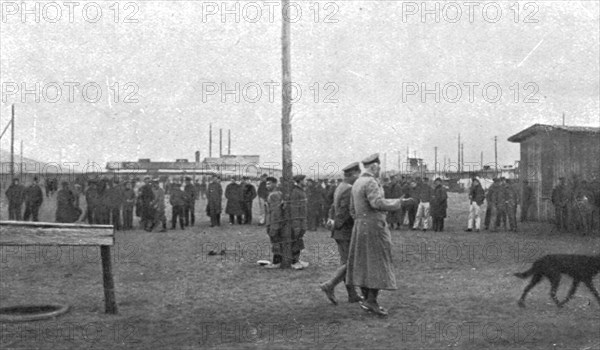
point(329, 286)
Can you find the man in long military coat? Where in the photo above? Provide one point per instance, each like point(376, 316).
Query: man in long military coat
point(214, 197)
point(15, 196)
point(370, 255)
point(233, 194)
point(342, 222)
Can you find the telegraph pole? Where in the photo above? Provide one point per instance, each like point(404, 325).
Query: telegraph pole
point(435, 162)
point(210, 141)
point(286, 136)
point(12, 143)
point(496, 154)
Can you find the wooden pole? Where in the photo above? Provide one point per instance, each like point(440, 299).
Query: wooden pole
point(458, 165)
point(12, 142)
point(435, 162)
point(21, 172)
point(110, 302)
point(286, 135)
point(496, 154)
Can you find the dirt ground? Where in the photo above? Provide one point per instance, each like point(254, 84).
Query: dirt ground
point(455, 290)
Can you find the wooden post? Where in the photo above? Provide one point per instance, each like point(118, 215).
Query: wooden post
point(286, 135)
point(12, 143)
point(110, 304)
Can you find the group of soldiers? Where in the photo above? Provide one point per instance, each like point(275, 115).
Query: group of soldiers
point(502, 199)
point(576, 204)
point(17, 195)
point(423, 205)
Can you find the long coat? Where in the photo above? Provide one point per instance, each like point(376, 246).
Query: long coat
point(66, 211)
point(370, 256)
point(439, 202)
point(215, 197)
point(234, 195)
point(340, 213)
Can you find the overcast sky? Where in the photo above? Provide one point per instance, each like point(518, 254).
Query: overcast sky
point(370, 54)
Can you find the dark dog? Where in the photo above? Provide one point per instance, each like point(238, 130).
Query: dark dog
point(582, 268)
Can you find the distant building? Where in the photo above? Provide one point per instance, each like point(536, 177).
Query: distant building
point(226, 166)
point(552, 151)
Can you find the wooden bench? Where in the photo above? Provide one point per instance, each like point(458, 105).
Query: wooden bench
point(19, 233)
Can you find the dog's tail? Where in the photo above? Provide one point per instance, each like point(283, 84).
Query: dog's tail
point(524, 274)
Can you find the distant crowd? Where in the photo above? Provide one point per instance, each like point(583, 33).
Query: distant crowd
point(424, 204)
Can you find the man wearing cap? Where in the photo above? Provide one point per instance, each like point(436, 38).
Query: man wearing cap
point(214, 197)
point(15, 196)
point(298, 212)
point(313, 203)
point(511, 200)
point(370, 255)
point(263, 194)
point(476, 198)
point(33, 200)
point(177, 198)
point(439, 205)
point(128, 204)
point(342, 223)
point(424, 192)
point(248, 195)
point(190, 202)
point(273, 220)
point(233, 193)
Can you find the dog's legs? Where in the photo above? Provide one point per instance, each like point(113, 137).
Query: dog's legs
point(592, 289)
point(554, 282)
point(534, 280)
point(570, 294)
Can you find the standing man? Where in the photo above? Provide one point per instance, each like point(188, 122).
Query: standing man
point(114, 202)
point(15, 195)
point(91, 200)
point(159, 206)
point(343, 223)
point(527, 199)
point(233, 194)
point(439, 205)
point(33, 200)
point(424, 196)
point(248, 195)
point(190, 202)
point(298, 210)
point(263, 194)
point(490, 199)
point(370, 264)
point(128, 203)
point(177, 198)
point(274, 219)
point(560, 199)
point(409, 203)
point(476, 198)
point(66, 211)
point(511, 201)
point(146, 198)
point(214, 205)
point(313, 202)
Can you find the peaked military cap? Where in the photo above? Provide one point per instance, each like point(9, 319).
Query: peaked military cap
point(299, 177)
point(351, 167)
point(373, 158)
